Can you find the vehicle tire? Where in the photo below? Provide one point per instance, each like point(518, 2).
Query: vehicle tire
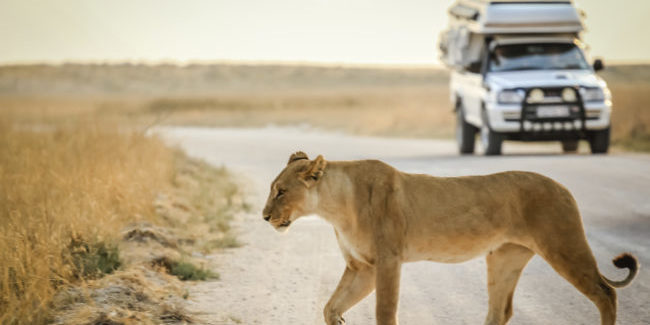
point(570, 145)
point(465, 133)
point(599, 141)
point(490, 140)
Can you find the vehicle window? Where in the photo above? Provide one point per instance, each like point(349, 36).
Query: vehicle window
point(550, 56)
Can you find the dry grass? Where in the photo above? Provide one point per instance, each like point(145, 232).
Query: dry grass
point(193, 210)
point(368, 101)
point(631, 116)
point(420, 111)
point(200, 206)
point(411, 111)
point(62, 186)
point(71, 182)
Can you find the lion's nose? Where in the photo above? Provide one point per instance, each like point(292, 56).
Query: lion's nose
point(267, 217)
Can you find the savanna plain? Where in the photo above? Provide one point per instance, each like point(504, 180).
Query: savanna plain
point(102, 221)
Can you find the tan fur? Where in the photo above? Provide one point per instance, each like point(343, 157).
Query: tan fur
point(383, 218)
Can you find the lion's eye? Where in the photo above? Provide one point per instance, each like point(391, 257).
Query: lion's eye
point(280, 193)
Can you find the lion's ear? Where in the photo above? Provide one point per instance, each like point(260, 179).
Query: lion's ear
point(297, 156)
point(315, 170)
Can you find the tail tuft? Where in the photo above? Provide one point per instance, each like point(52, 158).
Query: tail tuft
point(625, 261)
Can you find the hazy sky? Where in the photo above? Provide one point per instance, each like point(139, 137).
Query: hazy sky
point(332, 31)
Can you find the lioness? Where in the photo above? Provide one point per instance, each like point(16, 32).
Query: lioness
point(383, 217)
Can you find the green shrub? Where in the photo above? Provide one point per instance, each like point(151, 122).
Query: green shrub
point(94, 259)
point(188, 271)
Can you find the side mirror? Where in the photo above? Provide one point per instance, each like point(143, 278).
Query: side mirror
point(598, 65)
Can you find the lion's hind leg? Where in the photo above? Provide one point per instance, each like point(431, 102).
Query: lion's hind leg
point(575, 262)
point(504, 268)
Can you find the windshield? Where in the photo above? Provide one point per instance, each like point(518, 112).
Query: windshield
point(550, 56)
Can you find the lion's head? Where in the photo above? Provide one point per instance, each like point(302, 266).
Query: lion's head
point(292, 192)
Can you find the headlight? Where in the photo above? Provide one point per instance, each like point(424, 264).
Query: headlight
point(511, 96)
point(535, 96)
point(568, 95)
point(592, 94)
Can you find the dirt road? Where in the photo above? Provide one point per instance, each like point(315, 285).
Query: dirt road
point(287, 278)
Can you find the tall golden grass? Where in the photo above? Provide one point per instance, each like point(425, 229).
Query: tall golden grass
point(59, 185)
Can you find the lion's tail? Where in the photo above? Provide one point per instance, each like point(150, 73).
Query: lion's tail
point(624, 261)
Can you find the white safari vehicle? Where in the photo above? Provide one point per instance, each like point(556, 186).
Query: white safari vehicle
point(519, 72)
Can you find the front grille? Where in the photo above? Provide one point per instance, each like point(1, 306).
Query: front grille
point(552, 115)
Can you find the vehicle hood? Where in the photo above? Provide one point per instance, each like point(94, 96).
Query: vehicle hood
point(545, 78)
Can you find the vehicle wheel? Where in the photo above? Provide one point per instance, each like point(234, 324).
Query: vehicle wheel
point(490, 140)
point(465, 133)
point(570, 146)
point(599, 141)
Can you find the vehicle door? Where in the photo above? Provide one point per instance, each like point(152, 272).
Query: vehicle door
point(473, 92)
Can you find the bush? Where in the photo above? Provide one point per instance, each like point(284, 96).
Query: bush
point(188, 271)
point(94, 260)
point(184, 270)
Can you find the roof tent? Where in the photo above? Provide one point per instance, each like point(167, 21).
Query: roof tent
point(505, 17)
point(470, 21)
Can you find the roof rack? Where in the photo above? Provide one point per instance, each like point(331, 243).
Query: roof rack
point(509, 16)
point(471, 22)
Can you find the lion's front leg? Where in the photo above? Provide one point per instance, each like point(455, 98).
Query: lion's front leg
point(387, 282)
point(356, 283)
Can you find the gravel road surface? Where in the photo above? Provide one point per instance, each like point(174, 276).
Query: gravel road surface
point(287, 278)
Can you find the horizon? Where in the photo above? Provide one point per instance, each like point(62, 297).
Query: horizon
point(156, 63)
